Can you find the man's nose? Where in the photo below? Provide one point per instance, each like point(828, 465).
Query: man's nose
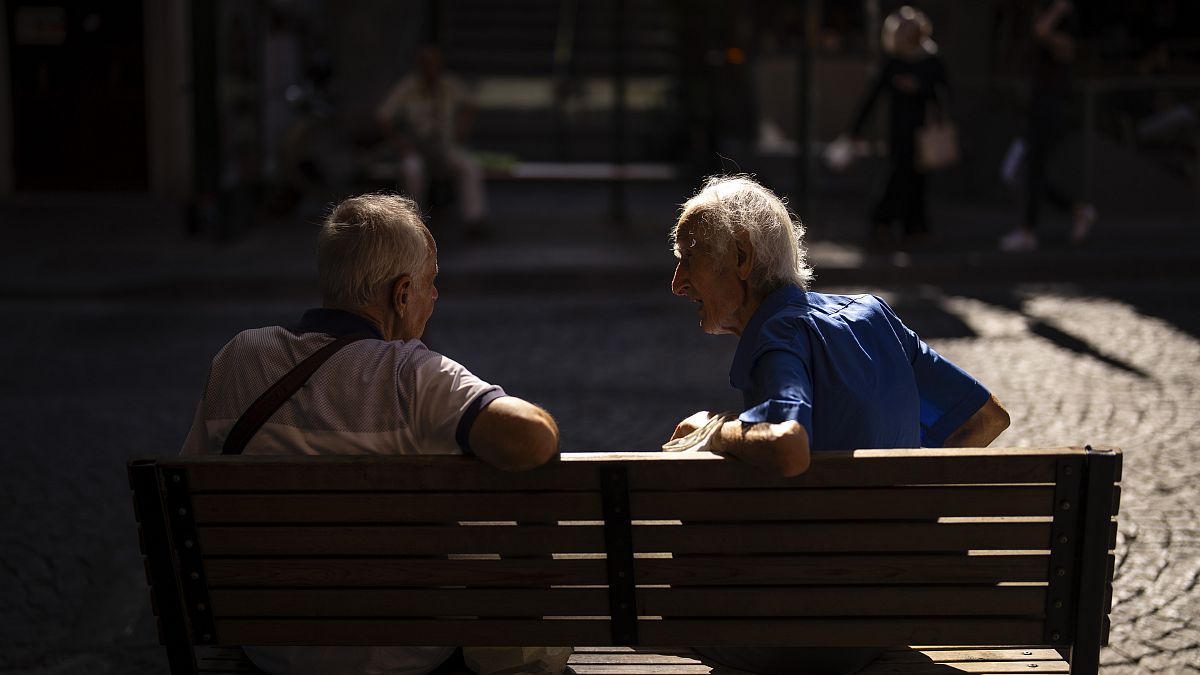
point(679, 281)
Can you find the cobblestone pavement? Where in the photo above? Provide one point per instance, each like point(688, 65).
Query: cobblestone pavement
point(89, 383)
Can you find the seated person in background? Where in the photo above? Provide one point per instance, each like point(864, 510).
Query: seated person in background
point(817, 372)
point(427, 116)
point(385, 394)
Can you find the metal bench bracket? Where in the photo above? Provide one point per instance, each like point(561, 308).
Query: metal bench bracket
point(618, 544)
point(187, 550)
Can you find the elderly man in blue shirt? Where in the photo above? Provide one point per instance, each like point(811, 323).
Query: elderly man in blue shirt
point(816, 371)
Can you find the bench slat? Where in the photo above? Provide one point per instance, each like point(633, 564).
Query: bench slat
point(727, 505)
point(654, 471)
point(699, 571)
point(499, 632)
point(842, 569)
point(863, 472)
point(840, 631)
point(638, 657)
point(413, 540)
point(645, 660)
point(410, 602)
point(652, 669)
point(384, 573)
point(958, 654)
point(844, 601)
point(981, 667)
point(414, 507)
point(842, 537)
point(904, 503)
point(680, 602)
point(831, 632)
point(751, 539)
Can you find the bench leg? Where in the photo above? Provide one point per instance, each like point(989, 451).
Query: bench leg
point(1093, 575)
point(172, 624)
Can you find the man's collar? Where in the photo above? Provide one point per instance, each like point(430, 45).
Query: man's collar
point(743, 358)
point(336, 322)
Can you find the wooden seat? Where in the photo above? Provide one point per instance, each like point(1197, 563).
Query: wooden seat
point(991, 548)
point(665, 661)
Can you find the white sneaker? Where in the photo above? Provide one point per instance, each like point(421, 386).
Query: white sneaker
point(1085, 218)
point(1018, 241)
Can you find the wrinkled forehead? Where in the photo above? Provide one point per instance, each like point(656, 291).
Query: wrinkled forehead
point(431, 259)
point(691, 232)
point(430, 242)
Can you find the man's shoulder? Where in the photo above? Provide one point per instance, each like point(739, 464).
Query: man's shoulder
point(835, 314)
point(833, 303)
point(255, 338)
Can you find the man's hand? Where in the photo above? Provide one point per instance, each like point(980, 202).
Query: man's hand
point(691, 423)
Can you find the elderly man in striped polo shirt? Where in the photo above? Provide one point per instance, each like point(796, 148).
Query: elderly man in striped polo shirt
point(379, 390)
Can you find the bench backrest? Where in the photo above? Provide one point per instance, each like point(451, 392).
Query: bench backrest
point(871, 547)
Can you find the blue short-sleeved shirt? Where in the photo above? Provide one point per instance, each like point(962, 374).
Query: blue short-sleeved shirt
point(848, 370)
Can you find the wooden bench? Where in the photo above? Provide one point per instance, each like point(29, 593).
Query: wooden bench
point(998, 560)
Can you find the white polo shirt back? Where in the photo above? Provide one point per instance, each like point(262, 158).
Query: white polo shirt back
point(372, 397)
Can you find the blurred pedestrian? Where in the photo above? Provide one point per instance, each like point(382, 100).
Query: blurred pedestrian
point(427, 117)
point(817, 372)
point(1048, 124)
point(914, 79)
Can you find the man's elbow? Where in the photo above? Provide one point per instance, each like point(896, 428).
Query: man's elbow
point(1002, 421)
point(792, 465)
point(982, 428)
point(792, 456)
point(525, 441)
point(514, 435)
point(536, 445)
point(995, 418)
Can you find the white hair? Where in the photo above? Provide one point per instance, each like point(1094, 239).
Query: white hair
point(365, 243)
point(727, 206)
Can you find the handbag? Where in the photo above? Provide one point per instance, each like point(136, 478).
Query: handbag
point(937, 141)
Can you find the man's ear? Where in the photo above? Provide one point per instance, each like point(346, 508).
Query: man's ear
point(400, 293)
point(745, 255)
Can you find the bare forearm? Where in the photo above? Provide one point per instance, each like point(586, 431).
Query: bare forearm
point(981, 428)
point(778, 448)
point(514, 435)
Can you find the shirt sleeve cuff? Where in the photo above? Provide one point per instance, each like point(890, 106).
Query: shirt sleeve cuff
point(935, 436)
point(775, 410)
point(476, 406)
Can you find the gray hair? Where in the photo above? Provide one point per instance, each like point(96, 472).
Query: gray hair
point(365, 243)
point(726, 206)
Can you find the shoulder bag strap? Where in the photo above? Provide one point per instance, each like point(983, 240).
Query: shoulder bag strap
point(261, 410)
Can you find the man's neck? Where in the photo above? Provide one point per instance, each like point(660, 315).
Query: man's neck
point(747, 310)
point(371, 314)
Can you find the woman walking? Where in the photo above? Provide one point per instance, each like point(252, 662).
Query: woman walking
point(914, 78)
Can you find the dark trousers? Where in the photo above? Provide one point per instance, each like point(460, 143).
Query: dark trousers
point(903, 198)
point(1047, 127)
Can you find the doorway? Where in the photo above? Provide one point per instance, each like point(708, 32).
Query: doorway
point(78, 94)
